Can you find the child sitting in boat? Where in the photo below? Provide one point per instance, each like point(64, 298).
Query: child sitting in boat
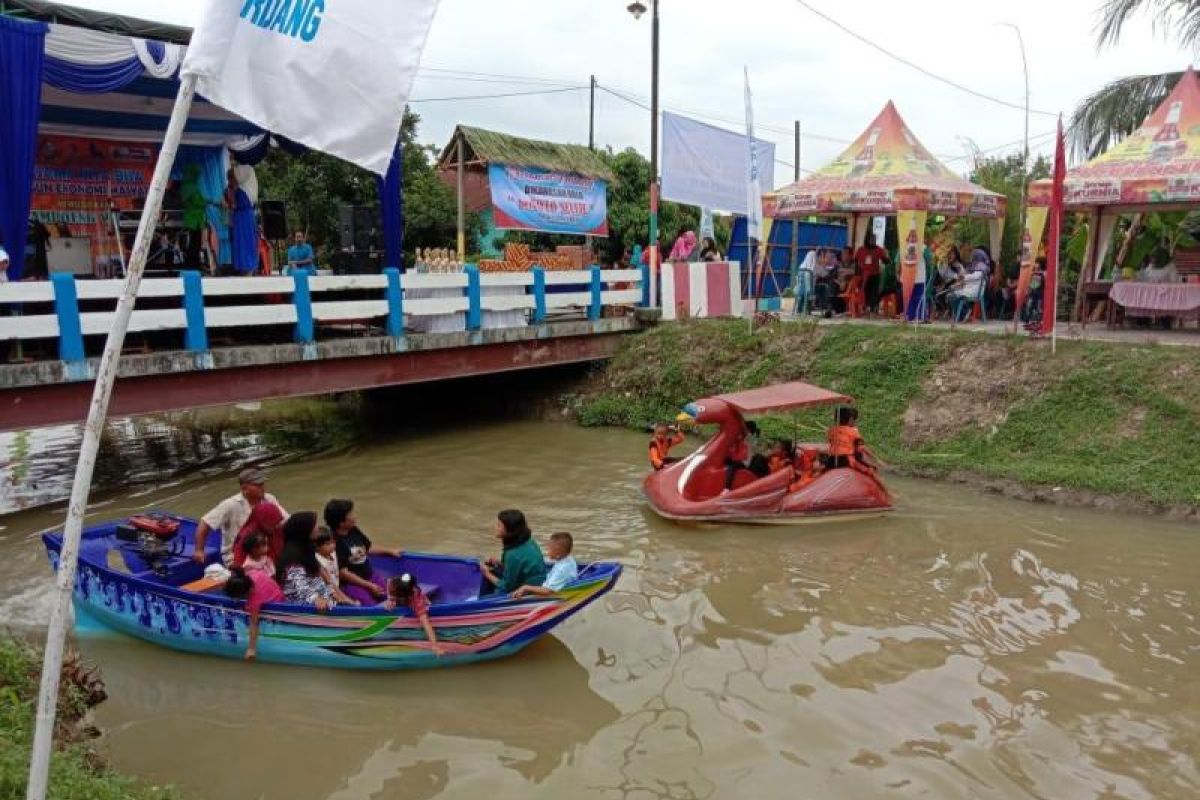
point(256, 550)
point(808, 466)
point(781, 456)
point(563, 572)
point(665, 437)
point(327, 557)
point(846, 445)
point(257, 589)
point(403, 592)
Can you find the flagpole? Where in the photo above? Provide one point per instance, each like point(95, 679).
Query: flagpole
point(43, 737)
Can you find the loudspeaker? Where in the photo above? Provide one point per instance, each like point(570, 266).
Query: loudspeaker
point(359, 228)
point(357, 263)
point(274, 219)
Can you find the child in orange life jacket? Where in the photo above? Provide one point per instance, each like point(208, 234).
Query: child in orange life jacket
point(665, 437)
point(781, 456)
point(808, 466)
point(846, 445)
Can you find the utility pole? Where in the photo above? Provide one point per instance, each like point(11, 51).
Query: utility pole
point(592, 116)
point(796, 157)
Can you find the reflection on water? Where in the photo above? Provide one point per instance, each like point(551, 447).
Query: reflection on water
point(966, 647)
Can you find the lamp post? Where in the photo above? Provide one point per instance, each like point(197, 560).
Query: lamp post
point(637, 8)
point(1025, 152)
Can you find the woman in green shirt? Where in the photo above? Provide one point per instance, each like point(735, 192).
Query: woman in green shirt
point(521, 562)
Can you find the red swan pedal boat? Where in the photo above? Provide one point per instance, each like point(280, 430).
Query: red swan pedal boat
point(693, 487)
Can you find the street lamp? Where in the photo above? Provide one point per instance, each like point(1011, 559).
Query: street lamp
point(637, 8)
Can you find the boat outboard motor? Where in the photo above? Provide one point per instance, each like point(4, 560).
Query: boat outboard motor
point(153, 538)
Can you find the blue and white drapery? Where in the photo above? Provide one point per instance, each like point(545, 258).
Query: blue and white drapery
point(91, 62)
point(213, 163)
point(22, 45)
point(391, 205)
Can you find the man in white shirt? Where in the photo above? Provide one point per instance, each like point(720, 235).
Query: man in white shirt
point(563, 572)
point(231, 514)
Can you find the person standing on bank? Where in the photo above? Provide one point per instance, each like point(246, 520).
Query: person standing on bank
point(870, 259)
point(229, 515)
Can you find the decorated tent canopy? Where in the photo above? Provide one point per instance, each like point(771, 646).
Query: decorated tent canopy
point(887, 170)
point(69, 72)
point(1155, 168)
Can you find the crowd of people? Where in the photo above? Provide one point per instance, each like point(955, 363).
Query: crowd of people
point(273, 556)
point(866, 281)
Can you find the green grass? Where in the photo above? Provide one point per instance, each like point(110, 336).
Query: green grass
point(1109, 418)
point(75, 773)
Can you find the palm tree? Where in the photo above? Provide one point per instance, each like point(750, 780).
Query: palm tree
point(1117, 110)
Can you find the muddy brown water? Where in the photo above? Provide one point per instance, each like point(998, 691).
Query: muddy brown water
point(966, 647)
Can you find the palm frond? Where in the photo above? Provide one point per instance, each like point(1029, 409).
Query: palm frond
point(1177, 18)
point(1114, 112)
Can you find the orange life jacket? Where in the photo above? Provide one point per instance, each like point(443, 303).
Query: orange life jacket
point(659, 448)
point(805, 461)
point(843, 440)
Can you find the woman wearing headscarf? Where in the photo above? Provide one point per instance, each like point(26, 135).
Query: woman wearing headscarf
point(684, 245)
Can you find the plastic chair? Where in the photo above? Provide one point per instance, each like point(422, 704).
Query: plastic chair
point(963, 306)
point(856, 301)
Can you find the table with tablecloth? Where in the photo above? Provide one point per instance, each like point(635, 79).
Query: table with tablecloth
point(1138, 299)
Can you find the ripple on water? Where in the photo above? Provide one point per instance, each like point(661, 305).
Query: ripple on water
point(967, 647)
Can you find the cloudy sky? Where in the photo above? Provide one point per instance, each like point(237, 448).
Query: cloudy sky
point(801, 67)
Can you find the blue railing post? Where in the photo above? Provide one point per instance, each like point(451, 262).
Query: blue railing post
point(645, 285)
point(395, 301)
point(539, 295)
point(597, 293)
point(195, 339)
point(70, 327)
point(474, 298)
point(302, 299)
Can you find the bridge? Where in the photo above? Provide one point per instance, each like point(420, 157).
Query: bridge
point(198, 341)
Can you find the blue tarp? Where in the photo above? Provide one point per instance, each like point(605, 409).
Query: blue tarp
point(810, 236)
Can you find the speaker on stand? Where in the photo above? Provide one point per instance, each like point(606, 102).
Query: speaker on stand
point(274, 226)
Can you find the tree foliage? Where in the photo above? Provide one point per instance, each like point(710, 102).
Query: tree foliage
point(1116, 110)
point(1003, 175)
point(316, 185)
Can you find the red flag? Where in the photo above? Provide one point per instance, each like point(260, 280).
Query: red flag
point(1050, 288)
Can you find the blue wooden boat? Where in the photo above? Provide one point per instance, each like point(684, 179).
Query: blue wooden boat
point(139, 590)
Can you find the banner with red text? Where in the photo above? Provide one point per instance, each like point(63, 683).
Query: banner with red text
point(533, 199)
point(78, 181)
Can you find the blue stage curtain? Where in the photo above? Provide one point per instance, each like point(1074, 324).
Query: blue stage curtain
point(212, 185)
point(21, 56)
point(91, 78)
point(391, 204)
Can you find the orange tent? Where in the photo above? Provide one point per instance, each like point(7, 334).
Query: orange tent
point(887, 171)
point(1155, 168)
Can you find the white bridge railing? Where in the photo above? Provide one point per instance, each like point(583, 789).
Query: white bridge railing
point(396, 302)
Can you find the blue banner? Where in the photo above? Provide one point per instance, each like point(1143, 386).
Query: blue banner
point(532, 199)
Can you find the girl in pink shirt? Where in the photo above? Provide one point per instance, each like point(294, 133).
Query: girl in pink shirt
point(257, 589)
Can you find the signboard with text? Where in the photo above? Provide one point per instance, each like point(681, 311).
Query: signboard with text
point(533, 199)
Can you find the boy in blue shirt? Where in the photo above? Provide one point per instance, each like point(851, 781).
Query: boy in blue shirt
point(300, 255)
point(563, 572)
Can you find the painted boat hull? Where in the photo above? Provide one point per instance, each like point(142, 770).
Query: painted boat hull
point(140, 604)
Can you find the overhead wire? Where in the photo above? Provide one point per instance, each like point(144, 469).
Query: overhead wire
point(913, 65)
point(493, 96)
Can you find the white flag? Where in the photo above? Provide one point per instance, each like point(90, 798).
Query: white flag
point(331, 74)
point(753, 189)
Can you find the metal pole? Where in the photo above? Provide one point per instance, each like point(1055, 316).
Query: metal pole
point(592, 116)
point(654, 251)
point(796, 157)
point(1025, 151)
point(43, 736)
point(462, 215)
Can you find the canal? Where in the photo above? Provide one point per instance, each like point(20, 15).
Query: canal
point(967, 646)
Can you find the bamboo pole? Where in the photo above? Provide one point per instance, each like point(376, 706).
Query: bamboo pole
point(43, 736)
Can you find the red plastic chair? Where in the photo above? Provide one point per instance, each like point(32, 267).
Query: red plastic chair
point(856, 301)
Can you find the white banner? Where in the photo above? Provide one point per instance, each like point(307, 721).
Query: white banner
point(706, 166)
point(753, 183)
point(333, 75)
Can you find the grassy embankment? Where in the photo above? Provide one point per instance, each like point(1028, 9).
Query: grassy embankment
point(1099, 423)
point(76, 773)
